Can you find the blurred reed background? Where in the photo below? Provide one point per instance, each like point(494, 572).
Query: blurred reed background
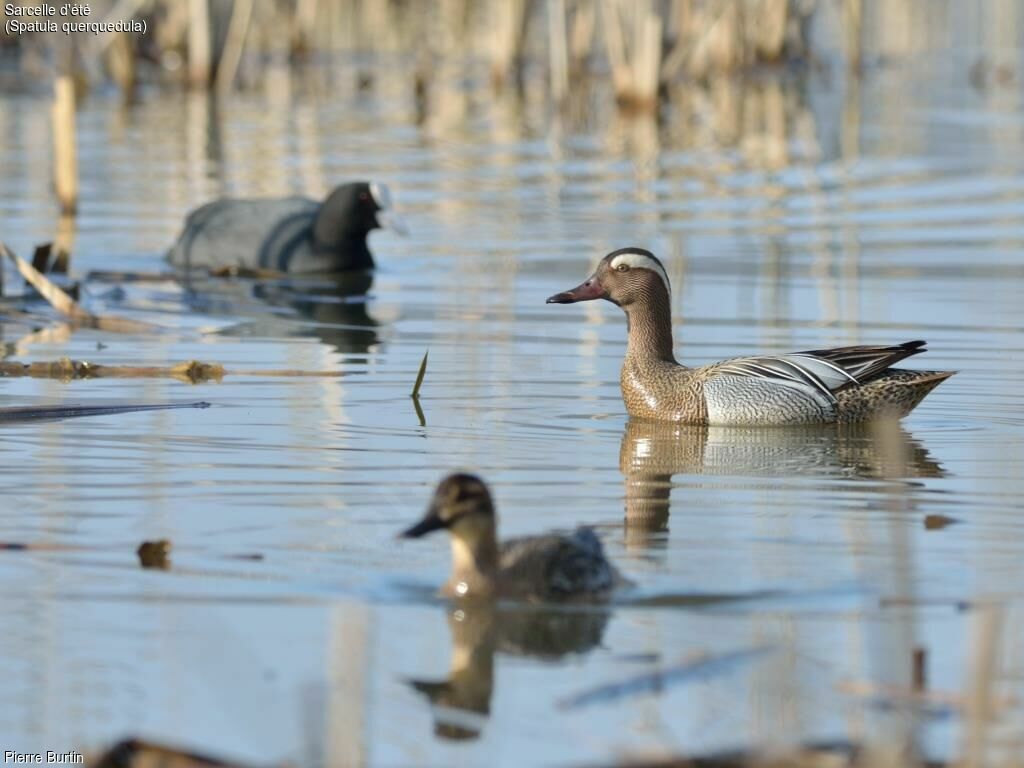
point(643, 47)
point(668, 73)
point(639, 55)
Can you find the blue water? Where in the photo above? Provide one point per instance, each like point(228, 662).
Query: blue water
point(291, 621)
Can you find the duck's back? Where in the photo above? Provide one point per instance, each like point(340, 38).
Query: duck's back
point(250, 234)
point(557, 567)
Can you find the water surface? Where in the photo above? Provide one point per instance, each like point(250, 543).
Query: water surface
point(293, 627)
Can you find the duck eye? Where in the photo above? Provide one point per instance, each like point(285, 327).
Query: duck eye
point(363, 196)
point(623, 268)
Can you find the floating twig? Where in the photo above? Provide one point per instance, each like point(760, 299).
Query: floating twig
point(659, 680)
point(67, 306)
point(189, 371)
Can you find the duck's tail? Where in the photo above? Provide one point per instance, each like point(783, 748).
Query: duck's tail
point(894, 393)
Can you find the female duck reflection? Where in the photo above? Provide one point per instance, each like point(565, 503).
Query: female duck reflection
point(462, 702)
point(653, 451)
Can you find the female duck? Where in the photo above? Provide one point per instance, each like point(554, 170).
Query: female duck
point(291, 234)
point(550, 567)
point(844, 384)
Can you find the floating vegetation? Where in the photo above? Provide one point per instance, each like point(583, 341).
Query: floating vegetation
point(189, 371)
point(155, 554)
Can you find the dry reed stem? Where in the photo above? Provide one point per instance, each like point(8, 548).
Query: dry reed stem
point(508, 40)
point(65, 153)
point(57, 298)
point(63, 244)
point(419, 376)
point(67, 306)
point(622, 78)
point(199, 44)
point(238, 31)
point(581, 36)
point(636, 66)
point(558, 50)
point(982, 702)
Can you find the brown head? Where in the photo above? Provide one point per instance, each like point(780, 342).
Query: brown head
point(463, 505)
point(623, 277)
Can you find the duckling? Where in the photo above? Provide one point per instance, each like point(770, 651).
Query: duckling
point(552, 567)
point(845, 384)
point(293, 234)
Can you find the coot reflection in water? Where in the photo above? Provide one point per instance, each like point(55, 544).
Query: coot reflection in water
point(330, 308)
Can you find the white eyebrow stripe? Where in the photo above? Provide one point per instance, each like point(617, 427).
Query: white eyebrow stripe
point(644, 262)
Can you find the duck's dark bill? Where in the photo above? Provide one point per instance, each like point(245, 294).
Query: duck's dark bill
point(588, 291)
point(426, 525)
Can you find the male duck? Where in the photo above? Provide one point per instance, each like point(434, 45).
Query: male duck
point(292, 234)
point(551, 567)
point(845, 384)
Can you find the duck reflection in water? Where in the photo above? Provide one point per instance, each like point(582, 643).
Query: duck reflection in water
point(653, 451)
point(461, 703)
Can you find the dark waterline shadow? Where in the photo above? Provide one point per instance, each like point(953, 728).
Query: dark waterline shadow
point(32, 413)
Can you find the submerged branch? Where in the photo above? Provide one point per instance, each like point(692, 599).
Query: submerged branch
point(26, 413)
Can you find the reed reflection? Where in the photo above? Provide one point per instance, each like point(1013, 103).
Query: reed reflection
point(461, 702)
point(652, 452)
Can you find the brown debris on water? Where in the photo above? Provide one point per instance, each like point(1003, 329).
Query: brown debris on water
point(188, 371)
point(155, 554)
point(938, 522)
point(195, 372)
point(137, 753)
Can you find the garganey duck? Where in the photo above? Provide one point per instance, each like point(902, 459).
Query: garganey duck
point(845, 384)
point(292, 234)
point(551, 567)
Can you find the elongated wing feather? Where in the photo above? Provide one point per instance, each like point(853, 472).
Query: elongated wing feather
point(867, 361)
point(825, 371)
point(796, 371)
